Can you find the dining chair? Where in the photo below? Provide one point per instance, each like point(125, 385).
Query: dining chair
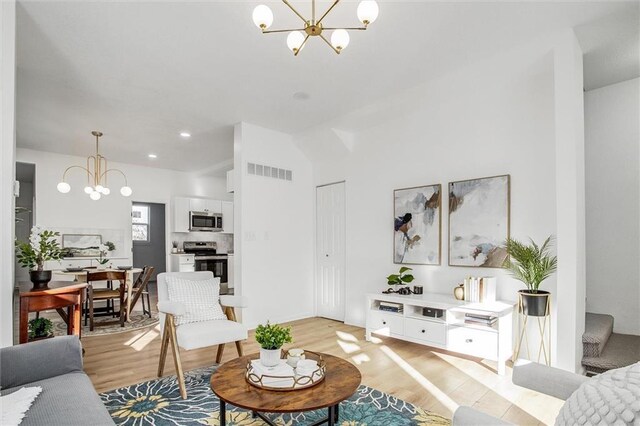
point(184, 298)
point(139, 289)
point(94, 295)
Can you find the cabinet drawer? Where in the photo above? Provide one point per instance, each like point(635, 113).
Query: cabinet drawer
point(480, 343)
point(187, 258)
point(428, 331)
point(385, 323)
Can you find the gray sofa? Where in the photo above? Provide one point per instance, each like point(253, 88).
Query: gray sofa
point(548, 380)
point(67, 397)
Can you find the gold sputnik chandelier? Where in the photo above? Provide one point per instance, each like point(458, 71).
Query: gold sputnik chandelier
point(297, 38)
point(97, 171)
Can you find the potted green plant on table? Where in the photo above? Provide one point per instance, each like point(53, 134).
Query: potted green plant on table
point(401, 278)
point(531, 264)
point(42, 246)
point(40, 328)
point(271, 337)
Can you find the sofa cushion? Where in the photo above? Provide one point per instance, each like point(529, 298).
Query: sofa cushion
point(200, 298)
point(208, 333)
point(69, 399)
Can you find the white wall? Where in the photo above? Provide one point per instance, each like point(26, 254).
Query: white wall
point(7, 165)
point(274, 246)
point(612, 133)
point(490, 118)
point(76, 210)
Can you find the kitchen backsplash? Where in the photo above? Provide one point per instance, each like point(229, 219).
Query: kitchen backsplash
point(225, 241)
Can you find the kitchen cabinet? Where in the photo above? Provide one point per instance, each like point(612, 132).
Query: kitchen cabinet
point(183, 263)
point(181, 207)
point(227, 217)
point(205, 205)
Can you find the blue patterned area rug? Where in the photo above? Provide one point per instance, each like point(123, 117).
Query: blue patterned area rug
point(158, 402)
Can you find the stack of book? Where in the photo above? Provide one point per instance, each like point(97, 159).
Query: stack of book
point(479, 319)
point(480, 289)
point(282, 375)
point(391, 307)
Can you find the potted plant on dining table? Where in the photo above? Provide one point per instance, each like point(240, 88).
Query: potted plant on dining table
point(42, 246)
point(104, 250)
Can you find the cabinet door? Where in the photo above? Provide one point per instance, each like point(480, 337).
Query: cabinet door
point(214, 206)
point(227, 217)
point(230, 181)
point(197, 204)
point(181, 214)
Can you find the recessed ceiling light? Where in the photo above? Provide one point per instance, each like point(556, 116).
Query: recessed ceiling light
point(153, 156)
point(185, 134)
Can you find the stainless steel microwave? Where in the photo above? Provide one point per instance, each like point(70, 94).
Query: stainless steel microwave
point(205, 221)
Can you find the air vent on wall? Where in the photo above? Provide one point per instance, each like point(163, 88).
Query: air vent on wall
point(269, 172)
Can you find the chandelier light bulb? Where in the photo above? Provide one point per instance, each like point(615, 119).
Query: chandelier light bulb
point(368, 11)
point(295, 40)
point(340, 39)
point(106, 191)
point(88, 190)
point(125, 191)
point(64, 187)
point(95, 195)
point(99, 188)
point(262, 17)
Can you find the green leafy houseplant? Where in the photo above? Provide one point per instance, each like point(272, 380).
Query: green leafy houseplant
point(532, 264)
point(42, 246)
point(40, 327)
point(273, 336)
point(402, 277)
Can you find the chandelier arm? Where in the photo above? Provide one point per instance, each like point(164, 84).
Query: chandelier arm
point(91, 175)
point(330, 45)
point(302, 45)
point(327, 12)
point(64, 175)
point(346, 28)
point(294, 11)
point(282, 31)
point(116, 170)
point(313, 12)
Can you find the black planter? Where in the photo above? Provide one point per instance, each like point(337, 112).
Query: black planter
point(40, 279)
point(534, 304)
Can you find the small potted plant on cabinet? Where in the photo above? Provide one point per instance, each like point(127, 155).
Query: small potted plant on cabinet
point(271, 337)
point(42, 246)
point(401, 278)
point(531, 264)
point(40, 328)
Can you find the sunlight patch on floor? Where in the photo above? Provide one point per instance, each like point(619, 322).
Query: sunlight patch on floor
point(347, 337)
point(141, 340)
point(442, 397)
point(360, 358)
point(347, 347)
point(543, 407)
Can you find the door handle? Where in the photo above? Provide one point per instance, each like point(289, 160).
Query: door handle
point(469, 341)
point(326, 255)
point(424, 331)
point(384, 323)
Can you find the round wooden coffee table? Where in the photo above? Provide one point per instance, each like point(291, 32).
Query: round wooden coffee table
point(341, 381)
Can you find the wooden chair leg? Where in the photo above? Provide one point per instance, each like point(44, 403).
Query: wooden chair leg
point(176, 357)
point(90, 293)
point(163, 347)
point(220, 351)
point(239, 347)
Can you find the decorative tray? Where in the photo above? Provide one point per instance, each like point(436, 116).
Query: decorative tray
point(310, 372)
point(74, 269)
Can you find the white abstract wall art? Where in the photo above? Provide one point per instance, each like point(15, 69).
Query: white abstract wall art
point(417, 230)
point(479, 216)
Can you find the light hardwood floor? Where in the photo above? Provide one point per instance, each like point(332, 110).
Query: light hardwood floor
point(429, 378)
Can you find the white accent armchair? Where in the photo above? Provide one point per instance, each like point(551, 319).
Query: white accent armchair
point(197, 334)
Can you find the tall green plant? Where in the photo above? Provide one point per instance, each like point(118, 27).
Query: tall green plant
point(530, 263)
point(42, 246)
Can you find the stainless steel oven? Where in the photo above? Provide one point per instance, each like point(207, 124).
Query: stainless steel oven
point(218, 264)
point(205, 221)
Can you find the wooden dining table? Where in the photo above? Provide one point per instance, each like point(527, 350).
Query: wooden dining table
point(81, 277)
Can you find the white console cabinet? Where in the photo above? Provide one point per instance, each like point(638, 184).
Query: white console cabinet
point(449, 332)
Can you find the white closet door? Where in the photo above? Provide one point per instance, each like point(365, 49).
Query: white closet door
point(330, 251)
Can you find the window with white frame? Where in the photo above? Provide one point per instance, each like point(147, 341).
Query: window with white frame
point(140, 222)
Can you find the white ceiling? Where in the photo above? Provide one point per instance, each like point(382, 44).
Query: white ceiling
point(141, 72)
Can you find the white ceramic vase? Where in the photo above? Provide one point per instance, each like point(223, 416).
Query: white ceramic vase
point(269, 357)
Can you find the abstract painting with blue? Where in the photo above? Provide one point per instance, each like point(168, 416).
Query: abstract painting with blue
point(417, 218)
point(479, 221)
